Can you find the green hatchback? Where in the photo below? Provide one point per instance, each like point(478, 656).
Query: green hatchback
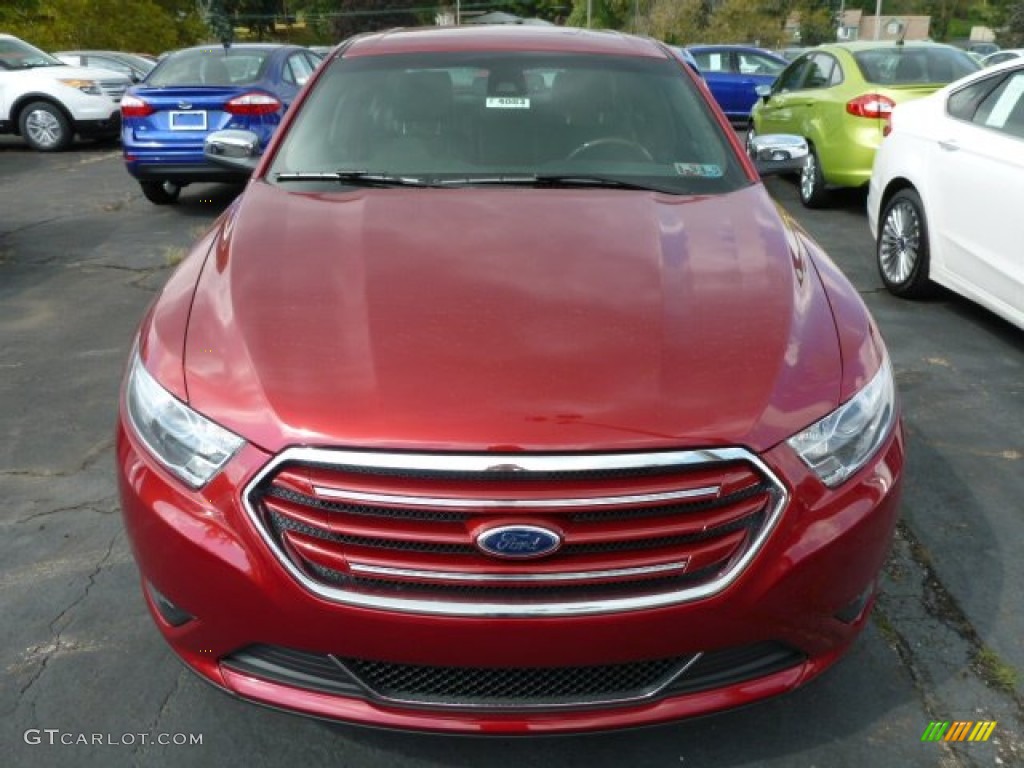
point(839, 97)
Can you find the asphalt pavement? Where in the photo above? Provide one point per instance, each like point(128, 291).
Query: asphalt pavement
point(86, 680)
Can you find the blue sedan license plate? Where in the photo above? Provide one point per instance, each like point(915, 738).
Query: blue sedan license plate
point(188, 121)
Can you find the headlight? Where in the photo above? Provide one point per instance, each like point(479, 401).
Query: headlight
point(188, 444)
point(85, 86)
point(842, 442)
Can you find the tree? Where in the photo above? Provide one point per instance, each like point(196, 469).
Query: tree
point(748, 21)
point(355, 16)
point(942, 13)
point(127, 25)
point(1012, 34)
point(257, 15)
point(679, 22)
point(817, 22)
point(604, 14)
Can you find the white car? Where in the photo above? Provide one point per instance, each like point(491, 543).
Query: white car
point(1007, 54)
point(47, 102)
point(946, 198)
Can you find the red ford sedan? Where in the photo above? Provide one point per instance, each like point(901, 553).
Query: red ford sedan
point(505, 400)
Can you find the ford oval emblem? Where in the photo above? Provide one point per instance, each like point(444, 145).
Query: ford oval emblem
point(518, 542)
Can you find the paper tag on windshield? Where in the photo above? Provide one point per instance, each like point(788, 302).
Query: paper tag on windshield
point(507, 102)
point(703, 170)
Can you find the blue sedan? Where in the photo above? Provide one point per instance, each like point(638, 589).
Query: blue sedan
point(195, 91)
point(733, 72)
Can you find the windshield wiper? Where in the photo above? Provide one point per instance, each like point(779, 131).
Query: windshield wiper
point(551, 180)
point(591, 180)
point(355, 178)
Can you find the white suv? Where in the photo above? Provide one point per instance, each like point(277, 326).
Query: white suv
point(47, 102)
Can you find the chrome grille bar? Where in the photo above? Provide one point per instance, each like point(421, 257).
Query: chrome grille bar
point(483, 467)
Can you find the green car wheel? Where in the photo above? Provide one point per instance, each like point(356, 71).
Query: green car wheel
point(812, 183)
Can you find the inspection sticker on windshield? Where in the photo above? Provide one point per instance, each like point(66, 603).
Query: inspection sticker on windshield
point(699, 169)
point(507, 102)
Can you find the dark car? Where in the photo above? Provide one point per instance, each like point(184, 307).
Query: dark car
point(504, 399)
point(131, 64)
point(733, 73)
point(195, 91)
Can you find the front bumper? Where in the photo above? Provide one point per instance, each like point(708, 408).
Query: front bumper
point(104, 127)
point(201, 552)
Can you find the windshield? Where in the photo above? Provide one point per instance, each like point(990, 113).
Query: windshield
point(210, 66)
point(903, 65)
point(493, 118)
point(15, 54)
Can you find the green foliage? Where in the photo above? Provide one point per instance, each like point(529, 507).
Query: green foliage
point(817, 22)
point(604, 14)
point(351, 17)
point(747, 21)
point(679, 22)
point(128, 25)
point(1012, 35)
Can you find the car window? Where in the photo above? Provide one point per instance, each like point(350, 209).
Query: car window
point(963, 103)
point(210, 66)
point(792, 77)
point(819, 71)
point(104, 62)
point(313, 59)
point(298, 69)
point(449, 116)
point(903, 65)
point(15, 54)
point(757, 64)
point(999, 58)
point(713, 61)
point(1003, 108)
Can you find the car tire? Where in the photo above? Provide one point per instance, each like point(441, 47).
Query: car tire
point(812, 183)
point(901, 249)
point(161, 192)
point(44, 127)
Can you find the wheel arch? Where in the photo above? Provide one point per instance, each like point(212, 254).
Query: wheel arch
point(28, 98)
point(896, 184)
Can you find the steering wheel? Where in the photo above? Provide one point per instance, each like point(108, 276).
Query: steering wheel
point(634, 149)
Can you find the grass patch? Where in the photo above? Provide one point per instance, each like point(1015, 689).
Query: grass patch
point(996, 672)
point(885, 627)
point(173, 255)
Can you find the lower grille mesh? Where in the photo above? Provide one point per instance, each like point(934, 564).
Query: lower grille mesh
point(498, 687)
point(509, 688)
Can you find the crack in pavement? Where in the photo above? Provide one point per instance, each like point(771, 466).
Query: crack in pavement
point(55, 646)
point(938, 604)
point(161, 711)
point(105, 506)
point(41, 223)
point(92, 456)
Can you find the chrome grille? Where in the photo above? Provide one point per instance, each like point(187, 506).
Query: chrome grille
point(114, 88)
point(398, 531)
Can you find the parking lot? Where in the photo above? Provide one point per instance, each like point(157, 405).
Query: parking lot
point(86, 680)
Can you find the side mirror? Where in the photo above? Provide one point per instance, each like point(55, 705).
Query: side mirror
point(763, 92)
point(777, 153)
point(234, 149)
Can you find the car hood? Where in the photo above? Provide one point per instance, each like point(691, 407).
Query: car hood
point(505, 319)
point(68, 71)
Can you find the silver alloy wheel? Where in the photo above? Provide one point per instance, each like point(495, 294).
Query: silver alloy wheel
point(808, 177)
point(43, 128)
point(900, 242)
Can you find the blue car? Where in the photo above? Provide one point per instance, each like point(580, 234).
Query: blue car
point(733, 72)
point(195, 91)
